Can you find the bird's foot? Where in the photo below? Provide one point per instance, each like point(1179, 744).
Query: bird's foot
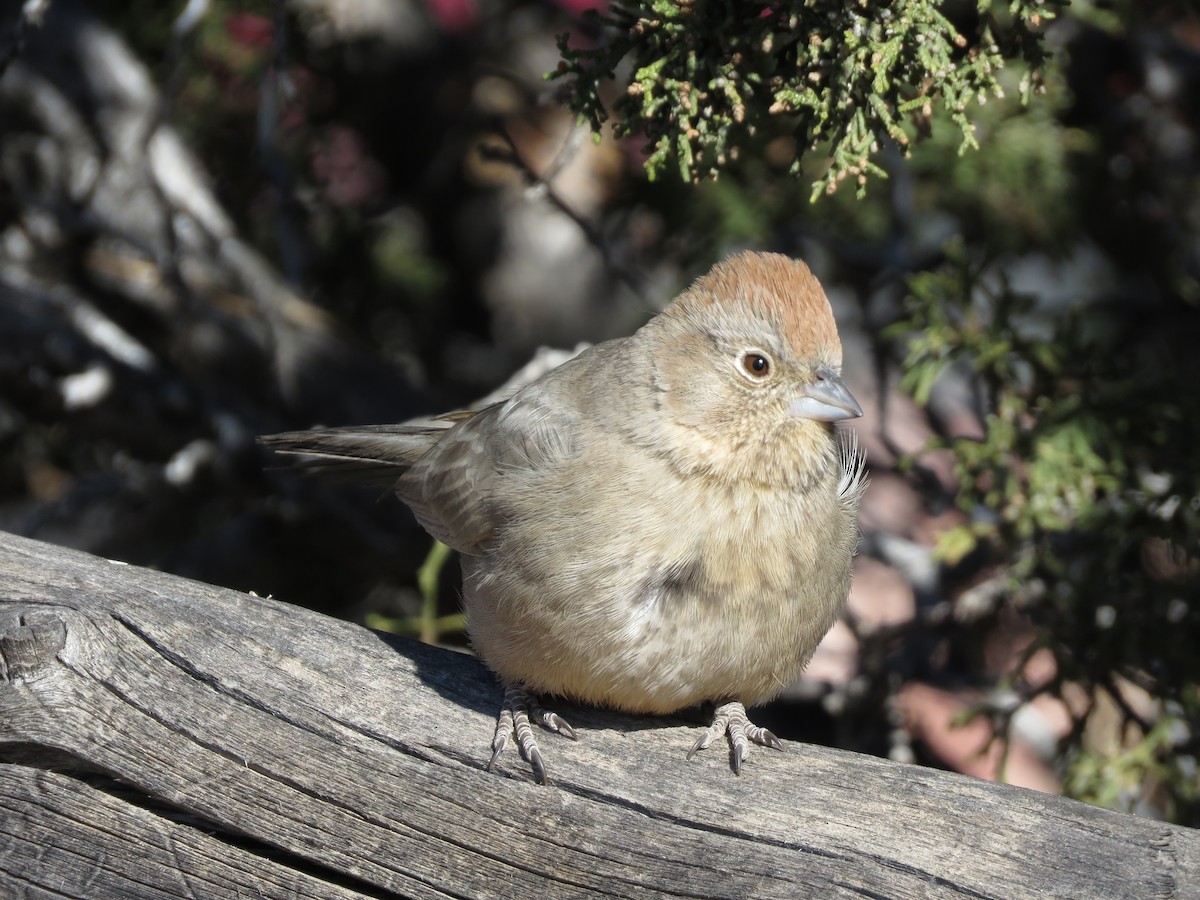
point(520, 709)
point(730, 718)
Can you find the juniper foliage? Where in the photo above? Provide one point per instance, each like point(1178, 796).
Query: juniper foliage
point(708, 79)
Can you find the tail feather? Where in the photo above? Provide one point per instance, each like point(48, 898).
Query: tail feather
point(372, 453)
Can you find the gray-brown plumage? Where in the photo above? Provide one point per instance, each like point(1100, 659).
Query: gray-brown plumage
point(666, 519)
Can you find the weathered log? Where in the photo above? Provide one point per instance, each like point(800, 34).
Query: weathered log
point(160, 737)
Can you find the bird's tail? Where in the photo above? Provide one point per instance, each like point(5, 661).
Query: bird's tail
point(369, 453)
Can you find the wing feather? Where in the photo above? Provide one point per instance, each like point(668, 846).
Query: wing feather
point(458, 489)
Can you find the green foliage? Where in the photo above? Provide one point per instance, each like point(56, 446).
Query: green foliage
point(1084, 487)
point(402, 260)
point(1020, 190)
point(429, 626)
point(1121, 779)
point(710, 79)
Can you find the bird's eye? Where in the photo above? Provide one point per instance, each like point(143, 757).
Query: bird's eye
point(757, 365)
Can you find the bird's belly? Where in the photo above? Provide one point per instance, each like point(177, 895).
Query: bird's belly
point(734, 617)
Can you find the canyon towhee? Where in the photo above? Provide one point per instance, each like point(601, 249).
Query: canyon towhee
point(666, 519)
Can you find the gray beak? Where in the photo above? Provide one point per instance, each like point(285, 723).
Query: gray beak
point(826, 400)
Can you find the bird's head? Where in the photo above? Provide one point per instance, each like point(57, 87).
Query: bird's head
point(747, 371)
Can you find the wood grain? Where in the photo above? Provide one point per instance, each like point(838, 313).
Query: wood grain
point(160, 737)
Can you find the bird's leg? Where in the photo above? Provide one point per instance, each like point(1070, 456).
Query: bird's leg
point(730, 718)
point(519, 710)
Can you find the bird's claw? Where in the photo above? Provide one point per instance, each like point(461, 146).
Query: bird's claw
point(730, 718)
point(504, 727)
point(520, 709)
point(548, 720)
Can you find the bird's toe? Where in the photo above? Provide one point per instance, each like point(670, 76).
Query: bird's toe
point(731, 719)
point(519, 712)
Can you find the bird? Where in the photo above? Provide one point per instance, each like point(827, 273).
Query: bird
point(666, 520)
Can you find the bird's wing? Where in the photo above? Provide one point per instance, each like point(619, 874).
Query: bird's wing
point(462, 490)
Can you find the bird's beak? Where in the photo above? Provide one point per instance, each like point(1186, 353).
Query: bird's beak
point(826, 400)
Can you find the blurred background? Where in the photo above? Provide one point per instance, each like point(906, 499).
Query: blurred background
point(224, 219)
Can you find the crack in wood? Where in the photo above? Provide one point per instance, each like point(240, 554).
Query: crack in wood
point(796, 846)
point(131, 795)
point(210, 680)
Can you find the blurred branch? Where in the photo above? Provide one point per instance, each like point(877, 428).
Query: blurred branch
point(182, 30)
point(539, 184)
point(276, 90)
point(29, 16)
